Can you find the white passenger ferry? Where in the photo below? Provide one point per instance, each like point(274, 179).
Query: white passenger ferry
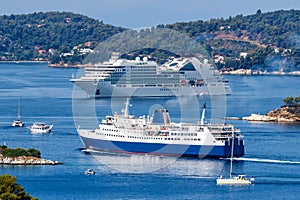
point(124, 133)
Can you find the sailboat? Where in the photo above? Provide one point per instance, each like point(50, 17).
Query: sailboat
point(234, 180)
point(18, 122)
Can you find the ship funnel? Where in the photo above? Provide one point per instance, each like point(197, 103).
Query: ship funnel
point(125, 111)
point(161, 117)
point(202, 122)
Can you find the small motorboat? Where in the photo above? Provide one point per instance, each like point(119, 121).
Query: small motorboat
point(38, 127)
point(89, 172)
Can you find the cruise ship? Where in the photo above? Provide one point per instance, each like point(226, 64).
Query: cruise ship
point(158, 135)
point(145, 78)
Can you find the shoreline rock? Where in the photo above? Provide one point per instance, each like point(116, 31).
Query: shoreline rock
point(285, 114)
point(259, 118)
point(26, 160)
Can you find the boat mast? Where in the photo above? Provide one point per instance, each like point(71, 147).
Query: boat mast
point(19, 110)
point(231, 157)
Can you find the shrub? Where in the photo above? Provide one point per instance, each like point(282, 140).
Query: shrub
point(10, 189)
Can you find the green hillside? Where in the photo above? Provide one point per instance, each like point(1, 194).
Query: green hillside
point(265, 41)
point(269, 39)
point(31, 36)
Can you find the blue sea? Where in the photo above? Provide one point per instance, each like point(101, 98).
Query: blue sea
point(45, 94)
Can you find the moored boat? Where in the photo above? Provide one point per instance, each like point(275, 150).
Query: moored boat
point(157, 135)
point(235, 180)
point(89, 172)
point(38, 127)
point(240, 179)
point(18, 122)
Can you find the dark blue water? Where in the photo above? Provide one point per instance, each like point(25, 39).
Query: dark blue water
point(272, 150)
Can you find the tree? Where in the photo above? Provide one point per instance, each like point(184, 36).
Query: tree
point(10, 189)
point(258, 12)
point(297, 100)
point(288, 101)
point(34, 152)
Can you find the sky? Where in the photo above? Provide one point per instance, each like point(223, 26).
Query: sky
point(147, 13)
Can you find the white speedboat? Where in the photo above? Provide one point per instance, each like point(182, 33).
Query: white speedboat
point(40, 128)
point(18, 122)
point(89, 172)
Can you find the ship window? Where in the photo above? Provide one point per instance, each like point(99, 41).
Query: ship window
point(188, 67)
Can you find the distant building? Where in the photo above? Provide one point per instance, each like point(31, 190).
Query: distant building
point(88, 44)
point(243, 54)
point(222, 28)
point(219, 59)
point(42, 52)
point(86, 51)
point(51, 51)
point(67, 19)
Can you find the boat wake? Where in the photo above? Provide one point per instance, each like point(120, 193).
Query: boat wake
point(266, 160)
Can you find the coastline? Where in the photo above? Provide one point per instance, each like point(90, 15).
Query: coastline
point(26, 160)
point(23, 62)
point(238, 72)
point(249, 72)
point(285, 114)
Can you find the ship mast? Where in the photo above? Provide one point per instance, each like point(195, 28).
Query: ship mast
point(19, 110)
point(231, 157)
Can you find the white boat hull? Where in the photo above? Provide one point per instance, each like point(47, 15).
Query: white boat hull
point(41, 130)
point(233, 181)
point(17, 123)
point(105, 89)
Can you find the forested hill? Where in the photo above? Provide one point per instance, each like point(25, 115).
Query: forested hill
point(253, 41)
point(260, 41)
point(31, 36)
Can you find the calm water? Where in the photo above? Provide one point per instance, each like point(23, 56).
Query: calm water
point(272, 150)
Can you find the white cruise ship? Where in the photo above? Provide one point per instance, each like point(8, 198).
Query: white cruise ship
point(145, 78)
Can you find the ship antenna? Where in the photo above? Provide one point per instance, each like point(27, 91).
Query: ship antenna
point(202, 122)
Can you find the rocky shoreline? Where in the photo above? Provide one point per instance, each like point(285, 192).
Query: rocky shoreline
point(26, 160)
point(285, 114)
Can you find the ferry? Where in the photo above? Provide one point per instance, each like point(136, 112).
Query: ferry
point(157, 135)
point(145, 78)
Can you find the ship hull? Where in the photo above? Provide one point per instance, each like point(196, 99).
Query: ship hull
point(105, 89)
point(178, 150)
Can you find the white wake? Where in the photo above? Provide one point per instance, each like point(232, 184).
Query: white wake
point(267, 160)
